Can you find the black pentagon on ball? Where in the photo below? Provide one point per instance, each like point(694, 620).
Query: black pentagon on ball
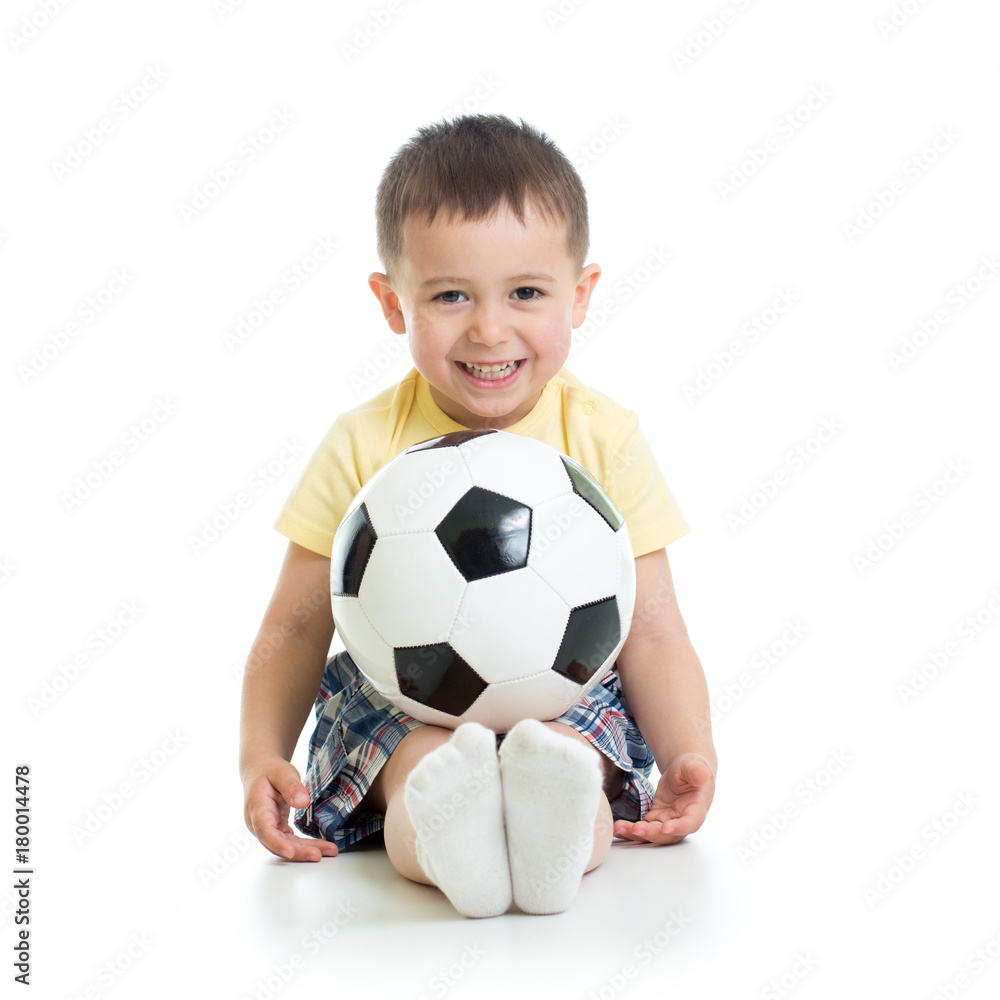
point(352, 548)
point(586, 486)
point(452, 440)
point(592, 632)
point(486, 533)
point(437, 677)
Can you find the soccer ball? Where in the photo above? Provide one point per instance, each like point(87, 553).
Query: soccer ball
point(482, 576)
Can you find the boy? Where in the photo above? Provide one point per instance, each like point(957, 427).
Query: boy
point(482, 230)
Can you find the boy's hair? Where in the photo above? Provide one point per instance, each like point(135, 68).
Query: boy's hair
point(471, 167)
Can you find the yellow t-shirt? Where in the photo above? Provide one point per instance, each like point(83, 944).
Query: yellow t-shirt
point(578, 421)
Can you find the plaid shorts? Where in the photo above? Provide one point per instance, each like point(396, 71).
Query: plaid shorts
point(357, 729)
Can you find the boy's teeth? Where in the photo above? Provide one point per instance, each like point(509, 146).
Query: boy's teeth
point(488, 371)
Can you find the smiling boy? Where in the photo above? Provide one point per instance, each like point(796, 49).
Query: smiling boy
point(482, 229)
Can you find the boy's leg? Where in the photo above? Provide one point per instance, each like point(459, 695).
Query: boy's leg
point(385, 796)
point(464, 842)
point(400, 837)
point(444, 816)
point(613, 778)
point(556, 824)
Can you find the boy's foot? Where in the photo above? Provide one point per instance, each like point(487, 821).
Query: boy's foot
point(455, 803)
point(551, 787)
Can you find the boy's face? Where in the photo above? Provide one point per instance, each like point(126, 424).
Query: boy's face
point(481, 294)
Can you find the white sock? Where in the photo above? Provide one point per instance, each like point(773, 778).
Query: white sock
point(455, 803)
point(551, 787)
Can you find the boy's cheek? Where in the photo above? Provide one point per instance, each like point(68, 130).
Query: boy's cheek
point(420, 326)
point(559, 335)
point(421, 345)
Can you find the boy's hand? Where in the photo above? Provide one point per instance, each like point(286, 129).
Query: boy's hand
point(267, 797)
point(679, 806)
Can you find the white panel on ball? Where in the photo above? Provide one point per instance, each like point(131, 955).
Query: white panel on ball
point(543, 696)
point(389, 692)
point(516, 466)
point(367, 648)
point(411, 589)
point(509, 625)
point(416, 494)
point(574, 550)
point(626, 579)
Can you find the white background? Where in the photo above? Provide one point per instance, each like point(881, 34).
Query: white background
point(140, 743)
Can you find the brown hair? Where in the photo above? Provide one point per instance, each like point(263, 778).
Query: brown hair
point(471, 166)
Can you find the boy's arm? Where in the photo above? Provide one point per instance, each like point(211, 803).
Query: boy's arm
point(282, 677)
point(664, 685)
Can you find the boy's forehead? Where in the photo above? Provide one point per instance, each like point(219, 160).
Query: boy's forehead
point(453, 235)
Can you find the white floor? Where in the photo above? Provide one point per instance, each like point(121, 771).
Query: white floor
point(156, 904)
point(351, 923)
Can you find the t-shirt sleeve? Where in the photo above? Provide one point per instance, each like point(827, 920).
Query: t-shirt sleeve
point(333, 475)
point(639, 491)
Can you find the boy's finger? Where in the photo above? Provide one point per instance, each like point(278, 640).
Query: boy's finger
point(292, 848)
point(285, 844)
point(291, 788)
point(695, 779)
point(635, 832)
point(663, 833)
point(621, 829)
point(684, 825)
point(654, 831)
point(326, 848)
point(277, 842)
point(266, 816)
point(265, 829)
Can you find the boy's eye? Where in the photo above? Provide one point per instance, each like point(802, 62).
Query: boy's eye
point(524, 294)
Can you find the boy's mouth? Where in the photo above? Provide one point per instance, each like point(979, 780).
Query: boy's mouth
point(490, 373)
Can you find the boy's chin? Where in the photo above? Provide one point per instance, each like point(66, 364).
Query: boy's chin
point(497, 414)
point(503, 414)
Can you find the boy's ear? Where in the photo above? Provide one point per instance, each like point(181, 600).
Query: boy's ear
point(388, 300)
point(584, 289)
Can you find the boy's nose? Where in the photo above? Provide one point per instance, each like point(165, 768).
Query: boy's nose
point(487, 327)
